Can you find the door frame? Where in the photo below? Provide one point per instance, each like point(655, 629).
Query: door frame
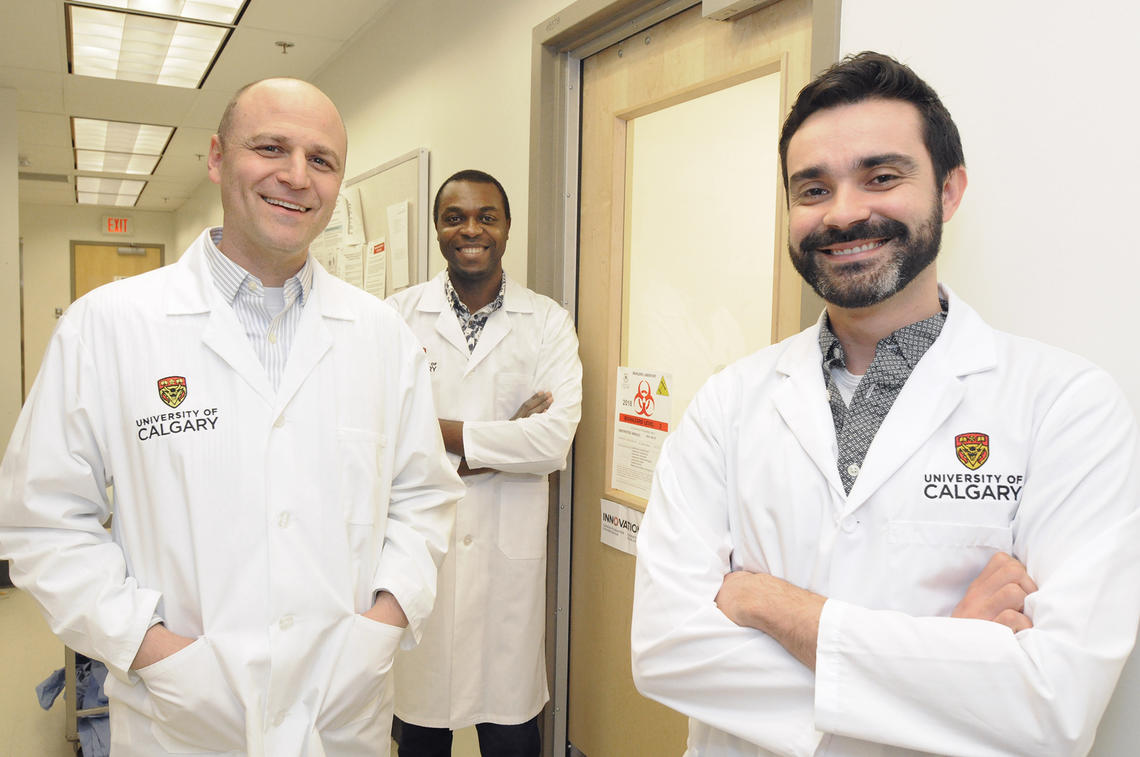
point(559, 44)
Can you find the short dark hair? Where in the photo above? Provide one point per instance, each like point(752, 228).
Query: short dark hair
point(870, 75)
point(479, 177)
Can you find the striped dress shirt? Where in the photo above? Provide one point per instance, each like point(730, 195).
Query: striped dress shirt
point(271, 333)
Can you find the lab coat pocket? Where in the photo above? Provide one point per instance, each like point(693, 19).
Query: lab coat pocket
point(932, 563)
point(523, 505)
point(357, 682)
point(359, 453)
point(511, 390)
point(195, 709)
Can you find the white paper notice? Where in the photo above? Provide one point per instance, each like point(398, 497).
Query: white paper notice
point(641, 423)
point(398, 238)
point(620, 525)
point(375, 265)
point(352, 264)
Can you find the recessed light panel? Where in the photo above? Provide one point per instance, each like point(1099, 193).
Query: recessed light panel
point(112, 44)
point(92, 190)
point(219, 11)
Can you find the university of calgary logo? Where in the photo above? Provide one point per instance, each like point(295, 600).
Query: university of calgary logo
point(973, 449)
point(172, 390)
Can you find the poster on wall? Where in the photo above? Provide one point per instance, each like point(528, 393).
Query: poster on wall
point(338, 246)
point(642, 415)
point(375, 265)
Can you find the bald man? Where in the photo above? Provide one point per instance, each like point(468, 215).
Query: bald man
point(282, 499)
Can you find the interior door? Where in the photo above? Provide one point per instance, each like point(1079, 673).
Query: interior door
point(659, 206)
point(94, 264)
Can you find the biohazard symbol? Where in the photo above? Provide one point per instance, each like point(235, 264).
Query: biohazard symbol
point(662, 390)
point(643, 400)
point(973, 449)
point(172, 390)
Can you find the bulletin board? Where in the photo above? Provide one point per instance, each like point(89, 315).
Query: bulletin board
point(400, 183)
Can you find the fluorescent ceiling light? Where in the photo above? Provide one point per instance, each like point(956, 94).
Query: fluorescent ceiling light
point(115, 162)
point(120, 136)
point(219, 11)
point(118, 146)
point(92, 190)
point(112, 44)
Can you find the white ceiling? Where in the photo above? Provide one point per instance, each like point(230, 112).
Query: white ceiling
point(33, 61)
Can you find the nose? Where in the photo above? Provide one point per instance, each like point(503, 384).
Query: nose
point(848, 206)
point(295, 170)
point(471, 227)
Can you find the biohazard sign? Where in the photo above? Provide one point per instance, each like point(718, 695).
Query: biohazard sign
point(642, 416)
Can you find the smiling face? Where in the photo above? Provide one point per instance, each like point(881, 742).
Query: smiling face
point(865, 212)
point(472, 231)
point(279, 167)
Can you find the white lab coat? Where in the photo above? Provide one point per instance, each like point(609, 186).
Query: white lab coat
point(482, 657)
point(262, 529)
point(749, 481)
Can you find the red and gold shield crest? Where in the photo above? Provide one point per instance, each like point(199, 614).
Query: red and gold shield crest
point(172, 390)
point(973, 449)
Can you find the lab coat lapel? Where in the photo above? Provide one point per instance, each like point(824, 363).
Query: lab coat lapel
point(313, 338)
point(801, 400)
point(446, 324)
point(516, 299)
point(930, 395)
point(192, 292)
point(494, 331)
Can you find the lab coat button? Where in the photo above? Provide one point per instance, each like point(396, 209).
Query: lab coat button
point(279, 718)
point(285, 623)
point(850, 524)
point(467, 540)
point(279, 422)
point(283, 520)
point(852, 470)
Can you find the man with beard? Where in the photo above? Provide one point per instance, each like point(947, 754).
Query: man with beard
point(899, 530)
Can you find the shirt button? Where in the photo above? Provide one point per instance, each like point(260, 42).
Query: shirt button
point(272, 337)
point(285, 623)
point(852, 470)
point(252, 286)
point(467, 540)
point(279, 422)
point(283, 520)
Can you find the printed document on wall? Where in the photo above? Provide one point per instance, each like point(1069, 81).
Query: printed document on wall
point(375, 265)
point(641, 422)
point(398, 243)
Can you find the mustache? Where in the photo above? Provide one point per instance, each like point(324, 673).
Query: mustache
point(886, 227)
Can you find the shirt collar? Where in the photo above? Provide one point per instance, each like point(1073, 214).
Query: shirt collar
point(911, 341)
point(229, 276)
point(462, 310)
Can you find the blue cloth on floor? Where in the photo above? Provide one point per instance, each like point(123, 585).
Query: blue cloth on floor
point(94, 730)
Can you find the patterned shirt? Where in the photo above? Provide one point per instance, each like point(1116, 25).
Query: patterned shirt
point(895, 359)
point(473, 323)
point(270, 333)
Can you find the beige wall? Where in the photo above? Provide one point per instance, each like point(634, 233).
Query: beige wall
point(452, 76)
point(47, 231)
point(10, 397)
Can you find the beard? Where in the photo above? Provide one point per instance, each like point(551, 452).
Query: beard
point(868, 282)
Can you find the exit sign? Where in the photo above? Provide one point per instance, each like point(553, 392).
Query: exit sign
point(117, 226)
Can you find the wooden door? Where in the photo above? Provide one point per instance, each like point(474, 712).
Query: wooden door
point(677, 60)
point(96, 263)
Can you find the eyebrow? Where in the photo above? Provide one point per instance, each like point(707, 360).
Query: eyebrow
point(903, 161)
point(457, 209)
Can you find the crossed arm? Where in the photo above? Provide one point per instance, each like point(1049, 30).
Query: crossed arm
point(452, 431)
point(790, 615)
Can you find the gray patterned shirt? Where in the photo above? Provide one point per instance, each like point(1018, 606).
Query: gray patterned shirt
point(895, 359)
point(473, 323)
